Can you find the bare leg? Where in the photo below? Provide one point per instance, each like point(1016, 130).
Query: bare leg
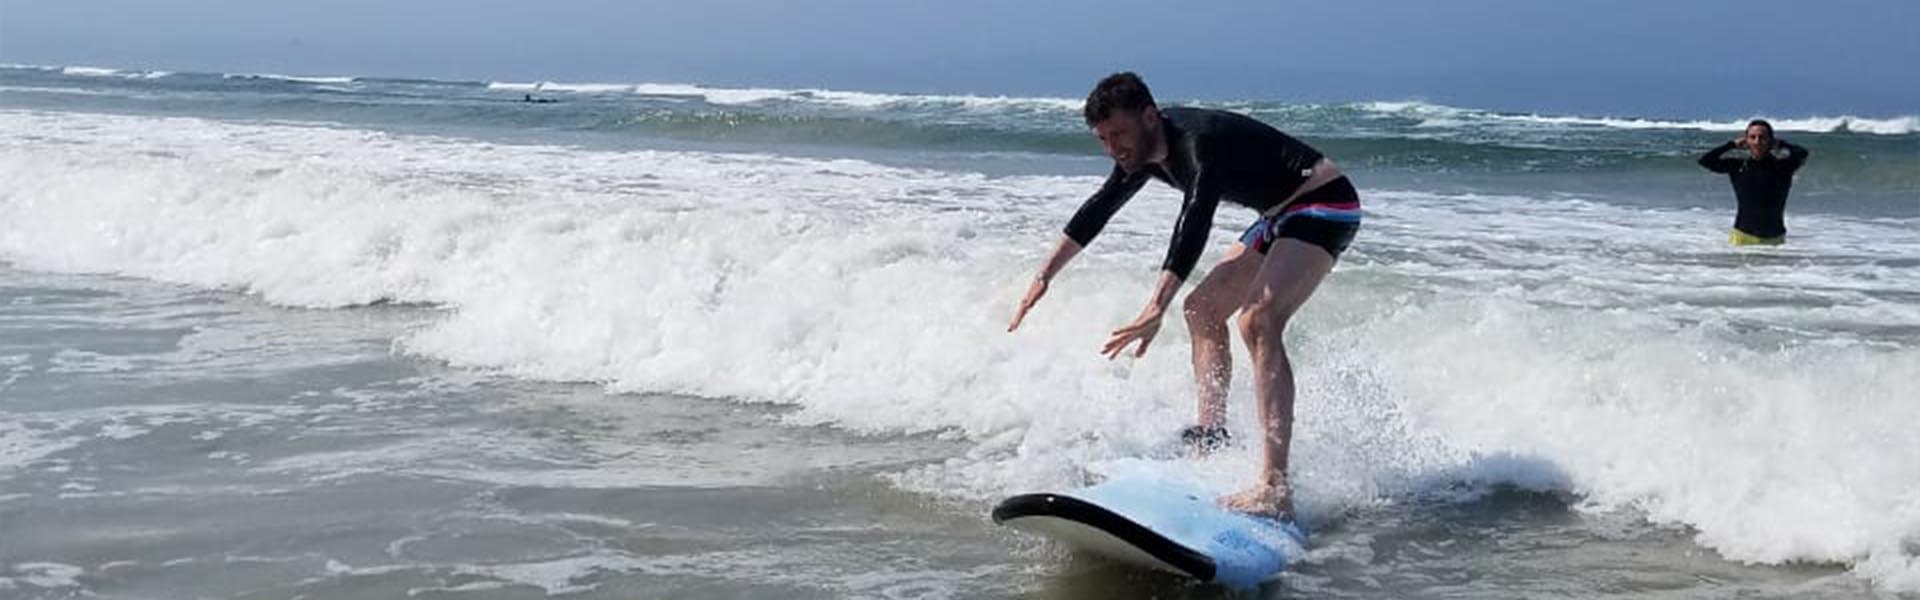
point(1289, 275)
point(1207, 309)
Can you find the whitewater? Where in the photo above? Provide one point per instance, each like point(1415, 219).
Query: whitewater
point(1602, 372)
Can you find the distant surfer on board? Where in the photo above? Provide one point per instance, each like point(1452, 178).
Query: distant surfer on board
point(1308, 214)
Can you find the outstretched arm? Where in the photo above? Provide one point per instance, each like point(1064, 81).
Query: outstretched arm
point(1189, 239)
point(1101, 206)
point(1062, 254)
point(1191, 229)
point(1147, 325)
point(1080, 231)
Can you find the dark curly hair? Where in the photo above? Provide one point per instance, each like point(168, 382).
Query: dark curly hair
point(1119, 91)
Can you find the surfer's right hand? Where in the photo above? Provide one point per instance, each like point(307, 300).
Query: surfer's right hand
point(1034, 292)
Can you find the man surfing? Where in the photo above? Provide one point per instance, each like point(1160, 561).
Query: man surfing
point(1308, 214)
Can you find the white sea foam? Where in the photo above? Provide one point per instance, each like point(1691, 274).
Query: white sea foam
point(749, 95)
point(1430, 115)
point(106, 72)
point(293, 78)
point(55, 90)
point(46, 575)
point(1435, 115)
point(20, 446)
point(90, 72)
point(1620, 353)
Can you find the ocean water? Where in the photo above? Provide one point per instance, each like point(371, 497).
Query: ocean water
point(336, 337)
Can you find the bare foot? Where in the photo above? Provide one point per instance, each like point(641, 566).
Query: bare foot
point(1272, 501)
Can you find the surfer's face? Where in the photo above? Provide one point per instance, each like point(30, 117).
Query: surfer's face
point(1130, 137)
point(1759, 140)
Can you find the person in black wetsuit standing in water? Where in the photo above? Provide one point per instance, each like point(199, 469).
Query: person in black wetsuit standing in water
point(1308, 214)
point(1761, 180)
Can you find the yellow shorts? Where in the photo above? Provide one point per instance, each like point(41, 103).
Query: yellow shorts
point(1742, 238)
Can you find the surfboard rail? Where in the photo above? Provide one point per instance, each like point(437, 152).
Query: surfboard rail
point(1060, 506)
point(1160, 522)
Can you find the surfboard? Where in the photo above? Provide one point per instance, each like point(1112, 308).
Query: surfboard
point(1160, 524)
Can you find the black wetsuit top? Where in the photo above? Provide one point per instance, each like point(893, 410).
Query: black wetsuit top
point(1760, 185)
point(1212, 155)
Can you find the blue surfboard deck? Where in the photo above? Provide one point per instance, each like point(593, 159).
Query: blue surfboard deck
point(1165, 524)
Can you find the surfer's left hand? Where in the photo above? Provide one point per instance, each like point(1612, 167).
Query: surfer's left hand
point(1142, 329)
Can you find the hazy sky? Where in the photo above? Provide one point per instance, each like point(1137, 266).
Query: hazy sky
point(1642, 57)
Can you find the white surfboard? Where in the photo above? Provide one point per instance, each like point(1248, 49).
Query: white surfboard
point(1160, 524)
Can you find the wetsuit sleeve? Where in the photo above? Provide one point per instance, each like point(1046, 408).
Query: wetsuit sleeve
point(1190, 231)
point(1098, 209)
point(1796, 155)
point(1713, 161)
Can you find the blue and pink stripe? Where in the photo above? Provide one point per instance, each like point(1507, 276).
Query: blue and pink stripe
point(1346, 212)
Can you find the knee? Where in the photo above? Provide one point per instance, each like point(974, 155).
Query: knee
point(1200, 313)
point(1261, 322)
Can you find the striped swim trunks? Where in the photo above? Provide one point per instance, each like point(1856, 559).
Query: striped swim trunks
point(1327, 217)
